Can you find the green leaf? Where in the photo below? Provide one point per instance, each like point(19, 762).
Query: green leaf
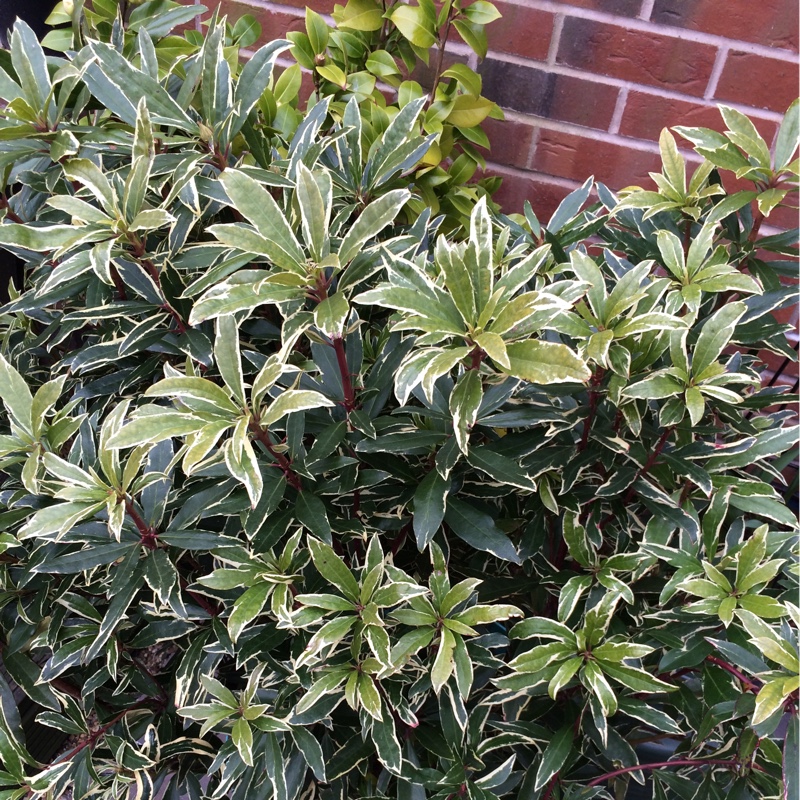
point(744, 134)
point(330, 316)
point(771, 697)
point(555, 756)
point(597, 684)
point(333, 569)
point(44, 238)
point(247, 607)
point(291, 401)
point(244, 291)
point(444, 662)
point(120, 87)
point(479, 530)
point(788, 139)
point(468, 111)
point(155, 426)
point(636, 679)
point(242, 736)
point(277, 240)
point(116, 611)
point(30, 64)
point(656, 719)
point(545, 363)
point(672, 161)
point(465, 401)
point(500, 468)
point(16, 395)
point(371, 221)
point(317, 30)
point(228, 357)
point(315, 205)
point(387, 745)
point(577, 543)
point(362, 15)
point(414, 24)
point(429, 507)
point(199, 394)
point(715, 335)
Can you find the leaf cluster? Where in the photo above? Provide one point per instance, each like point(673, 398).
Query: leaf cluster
point(308, 491)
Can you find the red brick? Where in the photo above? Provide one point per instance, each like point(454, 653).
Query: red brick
point(567, 155)
point(511, 141)
point(771, 22)
point(639, 56)
point(274, 23)
point(646, 114)
point(547, 94)
point(784, 216)
point(522, 31)
point(320, 6)
point(516, 188)
point(758, 81)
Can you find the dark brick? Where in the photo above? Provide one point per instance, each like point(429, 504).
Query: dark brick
point(646, 114)
point(546, 94)
point(274, 23)
point(522, 31)
point(625, 8)
point(771, 22)
point(758, 81)
point(511, 141)
point(639, 56)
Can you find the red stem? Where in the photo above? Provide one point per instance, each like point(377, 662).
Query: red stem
point(758, 218)
point(660, 444)
point(147, 532)
point(594, 398)
point(687, 236)
point(680, 762)
point(98, 734)
point(477, 355)
point(9, 213)
point(198, 598)
point(347, 379)
point(285, 465)
point(140, 254)
point(749, 685)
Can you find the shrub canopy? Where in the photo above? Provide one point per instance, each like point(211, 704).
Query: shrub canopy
point(311, 490)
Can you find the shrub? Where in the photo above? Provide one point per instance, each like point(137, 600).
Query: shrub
point(304, 498)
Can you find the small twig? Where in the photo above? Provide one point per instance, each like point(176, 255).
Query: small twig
point(440, 58)
point(649, 464)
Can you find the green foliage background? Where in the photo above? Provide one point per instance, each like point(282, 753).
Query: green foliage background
point(322, 477)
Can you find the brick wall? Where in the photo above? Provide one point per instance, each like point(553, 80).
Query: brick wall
point(587, 85)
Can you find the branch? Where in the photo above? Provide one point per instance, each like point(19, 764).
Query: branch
point(749, 685)
point(680, 762)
